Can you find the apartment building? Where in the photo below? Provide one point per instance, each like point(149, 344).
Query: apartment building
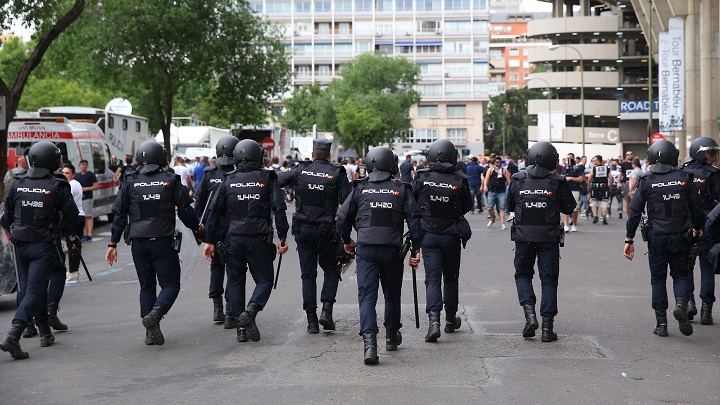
point(448, 39)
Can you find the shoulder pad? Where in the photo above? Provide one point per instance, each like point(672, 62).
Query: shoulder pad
point(461, 174)
point(554, 175)
point(426, 170)
point(272, 174)
point(519, 175)
point(304, 163)
point(358, 182)
point(210, 168)
point(341, 169)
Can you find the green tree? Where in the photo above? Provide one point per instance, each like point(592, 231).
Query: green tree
point(49, 18)
point(302, 109)
point(507, 115)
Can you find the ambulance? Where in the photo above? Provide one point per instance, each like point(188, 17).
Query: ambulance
point(77, 141)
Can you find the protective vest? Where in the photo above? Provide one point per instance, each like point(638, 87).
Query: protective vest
point(537, 209)
point(600, 187)
point(36, 217)
point(152, 204)
point(213, 179)
point(381, 211)
point(247, 202)
point(497, 182)
point(440, 202)
point(668, 197)
point(316, 192)
point(702, 177)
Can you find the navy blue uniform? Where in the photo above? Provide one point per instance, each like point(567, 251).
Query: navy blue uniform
point(149, 200)
point(248, 199)
point(378, 209)
point(538, 202)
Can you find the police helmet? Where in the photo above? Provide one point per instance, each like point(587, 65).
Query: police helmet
point(663, 152)
point(382, 159)
point(248, 151)
point(701, 147)
point(543, 154)
point(151, 153)
point(442, 151)
point(45, 155)
point(225, 149)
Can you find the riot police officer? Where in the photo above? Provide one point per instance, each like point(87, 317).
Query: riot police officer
point(538, 196)
point(149, 197)
point(249, 197)
point(703, 153)
point(443, 197)
point(32, 210)
point(673, 209)
point(377, 207)
point(208, 187)
point(320, 187)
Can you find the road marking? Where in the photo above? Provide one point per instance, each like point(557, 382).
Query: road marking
point(109, 271)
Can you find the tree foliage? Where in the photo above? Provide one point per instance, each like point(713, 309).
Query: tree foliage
point(367, 105)
point(507, 113)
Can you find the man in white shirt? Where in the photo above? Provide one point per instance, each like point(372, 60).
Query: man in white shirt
point(183, 171)
point(76, 189)
point(351, 169)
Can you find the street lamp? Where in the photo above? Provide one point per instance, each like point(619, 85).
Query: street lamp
point(527, 79)
point(582, 89)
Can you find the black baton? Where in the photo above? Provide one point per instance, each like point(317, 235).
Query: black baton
point(417, 316)
point(277, 272)
point(85, 267)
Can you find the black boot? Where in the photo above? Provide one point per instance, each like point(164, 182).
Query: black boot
point(548, 335)
point(452, 322)
point(218, 314)
point(691, 308)
point(241, 332)
point(53, 319)
point(393, 339)
point(531, 322)
point(661, 327)
point(247, 319)
point(706, 313)
point(433, 332)
point(326, 319)
point(229, 319)
point(370, 341)
point(313, 328)
point(46, 336)
point(151, 322)
point(148, 338)
point(680, 313)
point(11, 343)
point(30, 330)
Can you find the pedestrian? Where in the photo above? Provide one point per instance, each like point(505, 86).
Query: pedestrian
point(407, 171)
point(703, 155)
point(538, 195)
point(89, 182)
point(250, 196)
point(68, 171)
point(474, 175)
point(207, 188)
point(497, 178)
point(148, 200)
point(574, 174)
point(599, 185)
point(19, 169)
point(625, 170)
point(199, 169)
point(376, 208)
point(443, 197)
point(674, 212)
point(319, 189)
point(36, 209)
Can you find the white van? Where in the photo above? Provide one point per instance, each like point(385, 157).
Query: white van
point(77, 141)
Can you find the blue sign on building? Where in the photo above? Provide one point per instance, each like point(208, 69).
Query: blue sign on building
point(640, 106)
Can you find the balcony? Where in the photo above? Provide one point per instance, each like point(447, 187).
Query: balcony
point(569, 25)
point(572, 79)
point(588, 52)
point(603, 108)
point(574, 134)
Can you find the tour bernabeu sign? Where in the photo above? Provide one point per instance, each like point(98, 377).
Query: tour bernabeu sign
point(672, 77)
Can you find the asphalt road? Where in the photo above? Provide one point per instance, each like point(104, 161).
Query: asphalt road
point(605, 327)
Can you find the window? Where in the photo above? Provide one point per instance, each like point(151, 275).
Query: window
point(342, 50)
point(387, 49)
point(302, 28)
point(423, 135)
point(457, 27)
point(526, 64)
point(405, 49)
point(363, 5)
point(125, 125)
point(303, 6)
point(343, 6)
point(303, 50)
point(98, 156)
point(481, 26)
point(496, 53)
point(428, 5)
point(362, 47)
point(457, 90)
point(384, 28)
point(457, 4)
point(303, 70)
point(480, 90)
point(430, 90)
point(481, 46)
point(427, 111)
point(431, 70)
point(514, 77)
point(344, 28)
point(526, 51)
point(384, 5)
point(514, 63)
point(137, 127)
point(324, 70)
point(480, 69)
point(457, 48)
point(456, 111)
point(323, 29)
point(457, 135)
point(404, 5)
point(111, 122)
point(323, 6)
point(256, 6)
point(480, 5)
point(514, 52)
point(323, 50)
point(428, 49)
point(278, 8)
point(457, 69)
point(428, 26)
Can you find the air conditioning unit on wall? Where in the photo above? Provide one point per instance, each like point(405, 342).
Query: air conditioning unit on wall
point(378, 34)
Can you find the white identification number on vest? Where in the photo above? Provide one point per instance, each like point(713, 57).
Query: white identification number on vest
point(148, 197)
point(374, 204)
point(33, 204)
point(316, 187)
point(535, 205)
point(601, 171)
point(668, 197)
point(439, 198)
point(244, 197)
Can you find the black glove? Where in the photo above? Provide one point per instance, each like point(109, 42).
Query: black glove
point(199, 235)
